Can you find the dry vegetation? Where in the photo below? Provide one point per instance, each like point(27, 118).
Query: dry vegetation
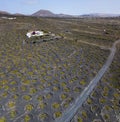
point(40, 81)
point(103, 104)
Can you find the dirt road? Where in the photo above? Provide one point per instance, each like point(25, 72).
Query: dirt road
point(70, 112)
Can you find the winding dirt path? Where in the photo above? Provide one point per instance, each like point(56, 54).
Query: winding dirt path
point(70, 112)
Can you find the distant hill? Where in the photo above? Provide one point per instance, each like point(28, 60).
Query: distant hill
point(98, 15)
point(4, 12)
point(44, 13)
point(47, 13)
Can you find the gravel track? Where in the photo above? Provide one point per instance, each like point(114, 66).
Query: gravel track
point(71, 111)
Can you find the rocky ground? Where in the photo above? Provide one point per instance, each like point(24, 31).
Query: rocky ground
point(39, 81)
point(103, 105)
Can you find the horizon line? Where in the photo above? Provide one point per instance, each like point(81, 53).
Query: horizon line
point(60, 13)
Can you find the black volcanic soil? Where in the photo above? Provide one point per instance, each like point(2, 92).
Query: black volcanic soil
point(38, 82)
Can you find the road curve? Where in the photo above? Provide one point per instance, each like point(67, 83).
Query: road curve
point(70, 112)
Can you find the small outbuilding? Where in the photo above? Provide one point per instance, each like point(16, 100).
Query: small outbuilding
point(34, 33)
